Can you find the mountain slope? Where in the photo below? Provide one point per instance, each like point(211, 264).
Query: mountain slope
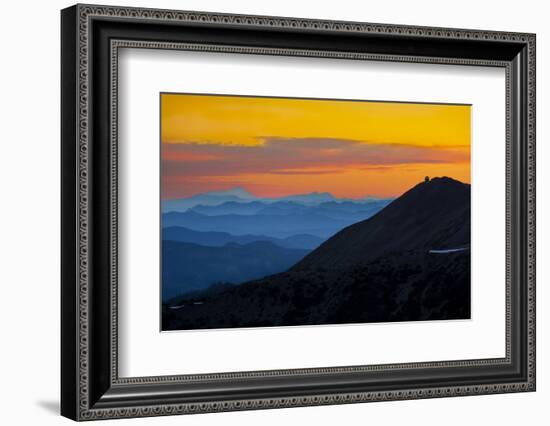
point(432, 215)
point(400, 288)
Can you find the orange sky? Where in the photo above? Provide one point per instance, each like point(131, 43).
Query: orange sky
point(281, 146)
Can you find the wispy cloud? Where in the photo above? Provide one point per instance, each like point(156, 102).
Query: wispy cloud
point(299, 172)
point(298, 156)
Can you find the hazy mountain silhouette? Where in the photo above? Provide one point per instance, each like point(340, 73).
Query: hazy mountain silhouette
point(207, 199)
point(313, 198)
point(280, 219)
point(278, 226)
point(219, 239)
point(379, 269)
point(187, 266)
point(230, 207)
point(238, 195)
point(348, 211)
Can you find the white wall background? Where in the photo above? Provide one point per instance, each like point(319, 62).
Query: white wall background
point(29, 213)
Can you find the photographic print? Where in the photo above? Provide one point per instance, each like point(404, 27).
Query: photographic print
point(293, 211)
point(363, 193)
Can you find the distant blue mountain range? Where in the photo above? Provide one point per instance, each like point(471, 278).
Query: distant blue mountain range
point(233, 236)
point(220, 239)
point(207, 199)
point(238, 212)
point(278, 226)
point(340, 210)
point(240, 195)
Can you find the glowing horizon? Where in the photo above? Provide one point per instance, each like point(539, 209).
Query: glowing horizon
point(275, 147)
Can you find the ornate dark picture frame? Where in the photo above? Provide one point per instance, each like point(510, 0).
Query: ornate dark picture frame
point(90, 385)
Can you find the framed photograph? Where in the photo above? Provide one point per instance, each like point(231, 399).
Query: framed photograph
point(263, 212)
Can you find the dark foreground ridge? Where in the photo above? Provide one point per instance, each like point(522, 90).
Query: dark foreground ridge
point(409, 262)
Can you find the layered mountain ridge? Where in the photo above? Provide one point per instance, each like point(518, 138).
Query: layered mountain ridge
point(240, 195)
point(213, 241)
